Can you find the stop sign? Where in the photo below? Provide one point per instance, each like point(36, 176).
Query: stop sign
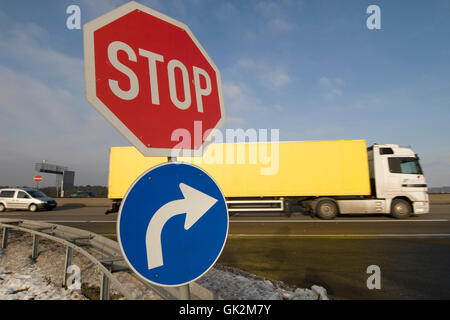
point(37, 178)
point(148, 75)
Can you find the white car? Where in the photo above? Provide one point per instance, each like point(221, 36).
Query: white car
point(25, 198)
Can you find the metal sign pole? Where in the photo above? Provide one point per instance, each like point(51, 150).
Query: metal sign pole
point(185, 292)
point(62, 186)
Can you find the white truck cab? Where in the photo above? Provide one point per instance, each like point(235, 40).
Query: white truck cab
point(395, 175)
point(398, 186)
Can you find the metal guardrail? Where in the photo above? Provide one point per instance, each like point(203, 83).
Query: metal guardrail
point(111, 262)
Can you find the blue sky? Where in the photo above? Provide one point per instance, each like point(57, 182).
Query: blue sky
point(309, 68)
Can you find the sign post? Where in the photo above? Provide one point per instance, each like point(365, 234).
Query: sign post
point(149, 76)
point(37, 178)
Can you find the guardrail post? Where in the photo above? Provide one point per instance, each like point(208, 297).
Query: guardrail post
point(35, 248)
point(5, 237)
point(185, 292)
point(67, 263)
point(104, 287)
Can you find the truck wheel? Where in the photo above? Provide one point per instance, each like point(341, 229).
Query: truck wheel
point(326, 209)
point(288, 210)
point(33, 207)
point(400, 209)
point(2, 207)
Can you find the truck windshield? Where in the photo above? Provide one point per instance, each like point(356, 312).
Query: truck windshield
point(404, 165)
point(36, 194)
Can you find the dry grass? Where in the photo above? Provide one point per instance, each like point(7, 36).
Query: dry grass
point(439, 198)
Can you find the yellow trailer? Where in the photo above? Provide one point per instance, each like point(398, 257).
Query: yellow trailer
point(251, 173)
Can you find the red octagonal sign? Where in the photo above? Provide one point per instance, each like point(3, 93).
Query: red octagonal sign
point(148, 75)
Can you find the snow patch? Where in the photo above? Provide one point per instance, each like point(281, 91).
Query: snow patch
point(27, 283)
point(232, 283)
point(24, 279)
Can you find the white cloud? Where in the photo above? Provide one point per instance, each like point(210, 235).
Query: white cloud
point(242, 94)
point(279, 24)
point(44, 114)
point(277, 78)
point(26, 101)
point(242, 103)
point(327, 82)
point(324, 81)
point(269, 8)
point(47, 122)
point(333, 86)
point(339, 81)
point(236, 96)
point(226, 11)
point(98, 7)
point(92, 9)
point(321, 132)
point(269, 74)
point(334, 93)
point(276, 16)
point(28, 45)
point(236, 122)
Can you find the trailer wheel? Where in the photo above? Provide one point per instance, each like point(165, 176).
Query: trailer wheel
point(400, 209)
point(288, 210)
point(326, 209)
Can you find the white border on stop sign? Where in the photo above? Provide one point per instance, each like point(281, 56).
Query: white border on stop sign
point(89, 75)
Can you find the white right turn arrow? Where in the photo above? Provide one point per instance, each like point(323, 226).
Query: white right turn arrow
point(195, 204)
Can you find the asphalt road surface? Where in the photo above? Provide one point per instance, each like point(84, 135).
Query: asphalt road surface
point(413, 255)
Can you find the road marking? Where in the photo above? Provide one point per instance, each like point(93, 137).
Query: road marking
point(273, 235)
point(270, 221)
point(69, 221)
point(334, 221)
point(240, 235)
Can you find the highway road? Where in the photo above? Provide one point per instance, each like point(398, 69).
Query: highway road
point(413, 255)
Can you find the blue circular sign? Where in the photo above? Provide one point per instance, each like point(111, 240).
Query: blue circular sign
point(172, 224)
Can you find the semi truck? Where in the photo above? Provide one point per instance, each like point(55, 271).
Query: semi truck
point(325, 178)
